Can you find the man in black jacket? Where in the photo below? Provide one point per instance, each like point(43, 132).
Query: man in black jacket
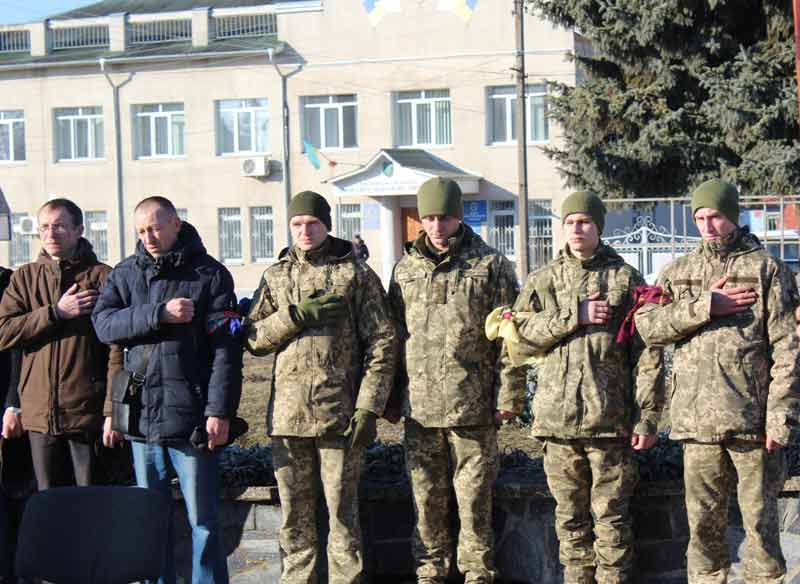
point(159, 304)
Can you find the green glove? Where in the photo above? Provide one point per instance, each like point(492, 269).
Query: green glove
point(319, 311)
point(363, 429)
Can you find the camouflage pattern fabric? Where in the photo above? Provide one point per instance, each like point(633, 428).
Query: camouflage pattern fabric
point(467, 458)
point(322, 374)
point(302, 465)
point(733, 376)
point(589, 385)
point(710, 470)
point(592, 481)
point(451, 369)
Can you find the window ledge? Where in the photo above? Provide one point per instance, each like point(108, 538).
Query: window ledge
point(427, 147)
point(265, 261)
point(80, 160)
point(233, 262)
point(514, 144)
point(13, 162)
point(242, 154)
point(160, 158)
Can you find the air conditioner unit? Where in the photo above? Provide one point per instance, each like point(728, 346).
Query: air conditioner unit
point(258, 166)
point(27, 226)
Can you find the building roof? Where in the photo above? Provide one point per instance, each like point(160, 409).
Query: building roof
point(160, 51)
point(108, 7)
point(422, 160)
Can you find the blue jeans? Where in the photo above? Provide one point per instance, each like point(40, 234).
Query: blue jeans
point(198, 476)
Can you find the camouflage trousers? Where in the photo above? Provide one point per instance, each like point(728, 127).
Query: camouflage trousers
point(592, 481)
point(302, 467)
point(465, 458)
point(709, 473)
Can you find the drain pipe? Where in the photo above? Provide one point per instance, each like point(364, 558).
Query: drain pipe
point(287, 178)
point(118, 155)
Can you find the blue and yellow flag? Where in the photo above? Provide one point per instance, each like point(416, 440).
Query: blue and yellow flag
point(312, 153)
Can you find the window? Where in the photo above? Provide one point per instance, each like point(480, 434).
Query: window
point(96, 230)
point(159, 130)
point(262, 240)
point(540, 232)
point(20, 242)
point(422, 118)
point(502, 114)
point(329, 121)
point(242, 126)
point(230, 235)
point(349, 220)
point(502, 227)
point(79, 133)
point(12, 136)
point(183, 213)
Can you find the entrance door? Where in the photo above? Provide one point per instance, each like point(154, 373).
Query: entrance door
point(411, 223)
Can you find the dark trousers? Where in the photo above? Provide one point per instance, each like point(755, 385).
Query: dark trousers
point(62, 461)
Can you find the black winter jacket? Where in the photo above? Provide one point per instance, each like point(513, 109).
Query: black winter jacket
point(191, 374)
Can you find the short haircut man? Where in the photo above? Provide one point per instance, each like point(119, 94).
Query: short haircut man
point(324, 316)
point(735, 383)
point(46, 312)
point(158, 304)
point(441, 292)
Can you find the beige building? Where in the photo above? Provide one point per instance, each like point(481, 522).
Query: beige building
point(372, 97)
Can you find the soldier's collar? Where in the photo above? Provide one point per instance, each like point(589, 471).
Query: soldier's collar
point(313, 256)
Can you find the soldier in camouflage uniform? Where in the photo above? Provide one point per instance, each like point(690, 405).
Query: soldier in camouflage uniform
point(596, 398)
point(324, 315)
point(735, 384)
point(441, 292)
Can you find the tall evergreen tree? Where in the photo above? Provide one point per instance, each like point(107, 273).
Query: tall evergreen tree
point(676, 92)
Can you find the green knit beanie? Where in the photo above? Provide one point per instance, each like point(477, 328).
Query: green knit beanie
point(718, 195)
point(311, 203)
point(585, 202)
point(440, 196)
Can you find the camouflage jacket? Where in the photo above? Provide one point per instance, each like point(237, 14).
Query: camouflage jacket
point(322, 374)
point(450, 375)
point(733, 376)
point(589, 386)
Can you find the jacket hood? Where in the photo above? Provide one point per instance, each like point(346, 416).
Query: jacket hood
point(464, 240)
point(187, 247)
point(605, 255)
point(333, 249)
point(84, 255)
point(739, 242)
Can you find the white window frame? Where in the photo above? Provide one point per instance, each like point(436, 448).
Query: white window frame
point(507, 95)
point(232, 216)
point(96, 226)
point(266, 214)
point(9, 119)
point(21, 244)
point(249, 107)
point(331, 105)
point(416, 102)
point(92, 120)
point(151, 118)
point(351, 216)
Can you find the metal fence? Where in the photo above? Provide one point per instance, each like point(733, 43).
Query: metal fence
point(79, 37)
point(15, 41)
point(160, 31)
point(245, 25)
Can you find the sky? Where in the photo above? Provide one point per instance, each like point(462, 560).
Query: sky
point(14, 11)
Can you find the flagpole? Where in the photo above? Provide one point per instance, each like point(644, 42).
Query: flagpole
point(796, 6)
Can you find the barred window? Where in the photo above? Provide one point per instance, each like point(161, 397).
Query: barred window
point(96, 229)
point(540, 232)
point(349, 222)
point(262, 238)
point(502, 230)
point(230, 235)
point(20, 242)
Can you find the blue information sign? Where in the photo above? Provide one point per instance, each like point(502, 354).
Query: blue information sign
point(475, 213)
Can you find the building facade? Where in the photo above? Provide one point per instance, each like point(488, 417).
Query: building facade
point(359, 100)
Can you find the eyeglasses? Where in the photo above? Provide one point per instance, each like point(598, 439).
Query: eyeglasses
point(54, 227)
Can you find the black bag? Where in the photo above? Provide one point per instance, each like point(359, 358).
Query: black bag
point(126, 397)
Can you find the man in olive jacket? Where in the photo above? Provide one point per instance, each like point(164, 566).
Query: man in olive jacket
point(736, 391)
point(46, 312)
point(596, 398)
point(441, 292)
point(324, 316)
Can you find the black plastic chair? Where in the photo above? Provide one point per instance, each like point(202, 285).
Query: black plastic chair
point(95, 535)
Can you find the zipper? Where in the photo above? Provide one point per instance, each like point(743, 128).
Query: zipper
point(54, 353)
